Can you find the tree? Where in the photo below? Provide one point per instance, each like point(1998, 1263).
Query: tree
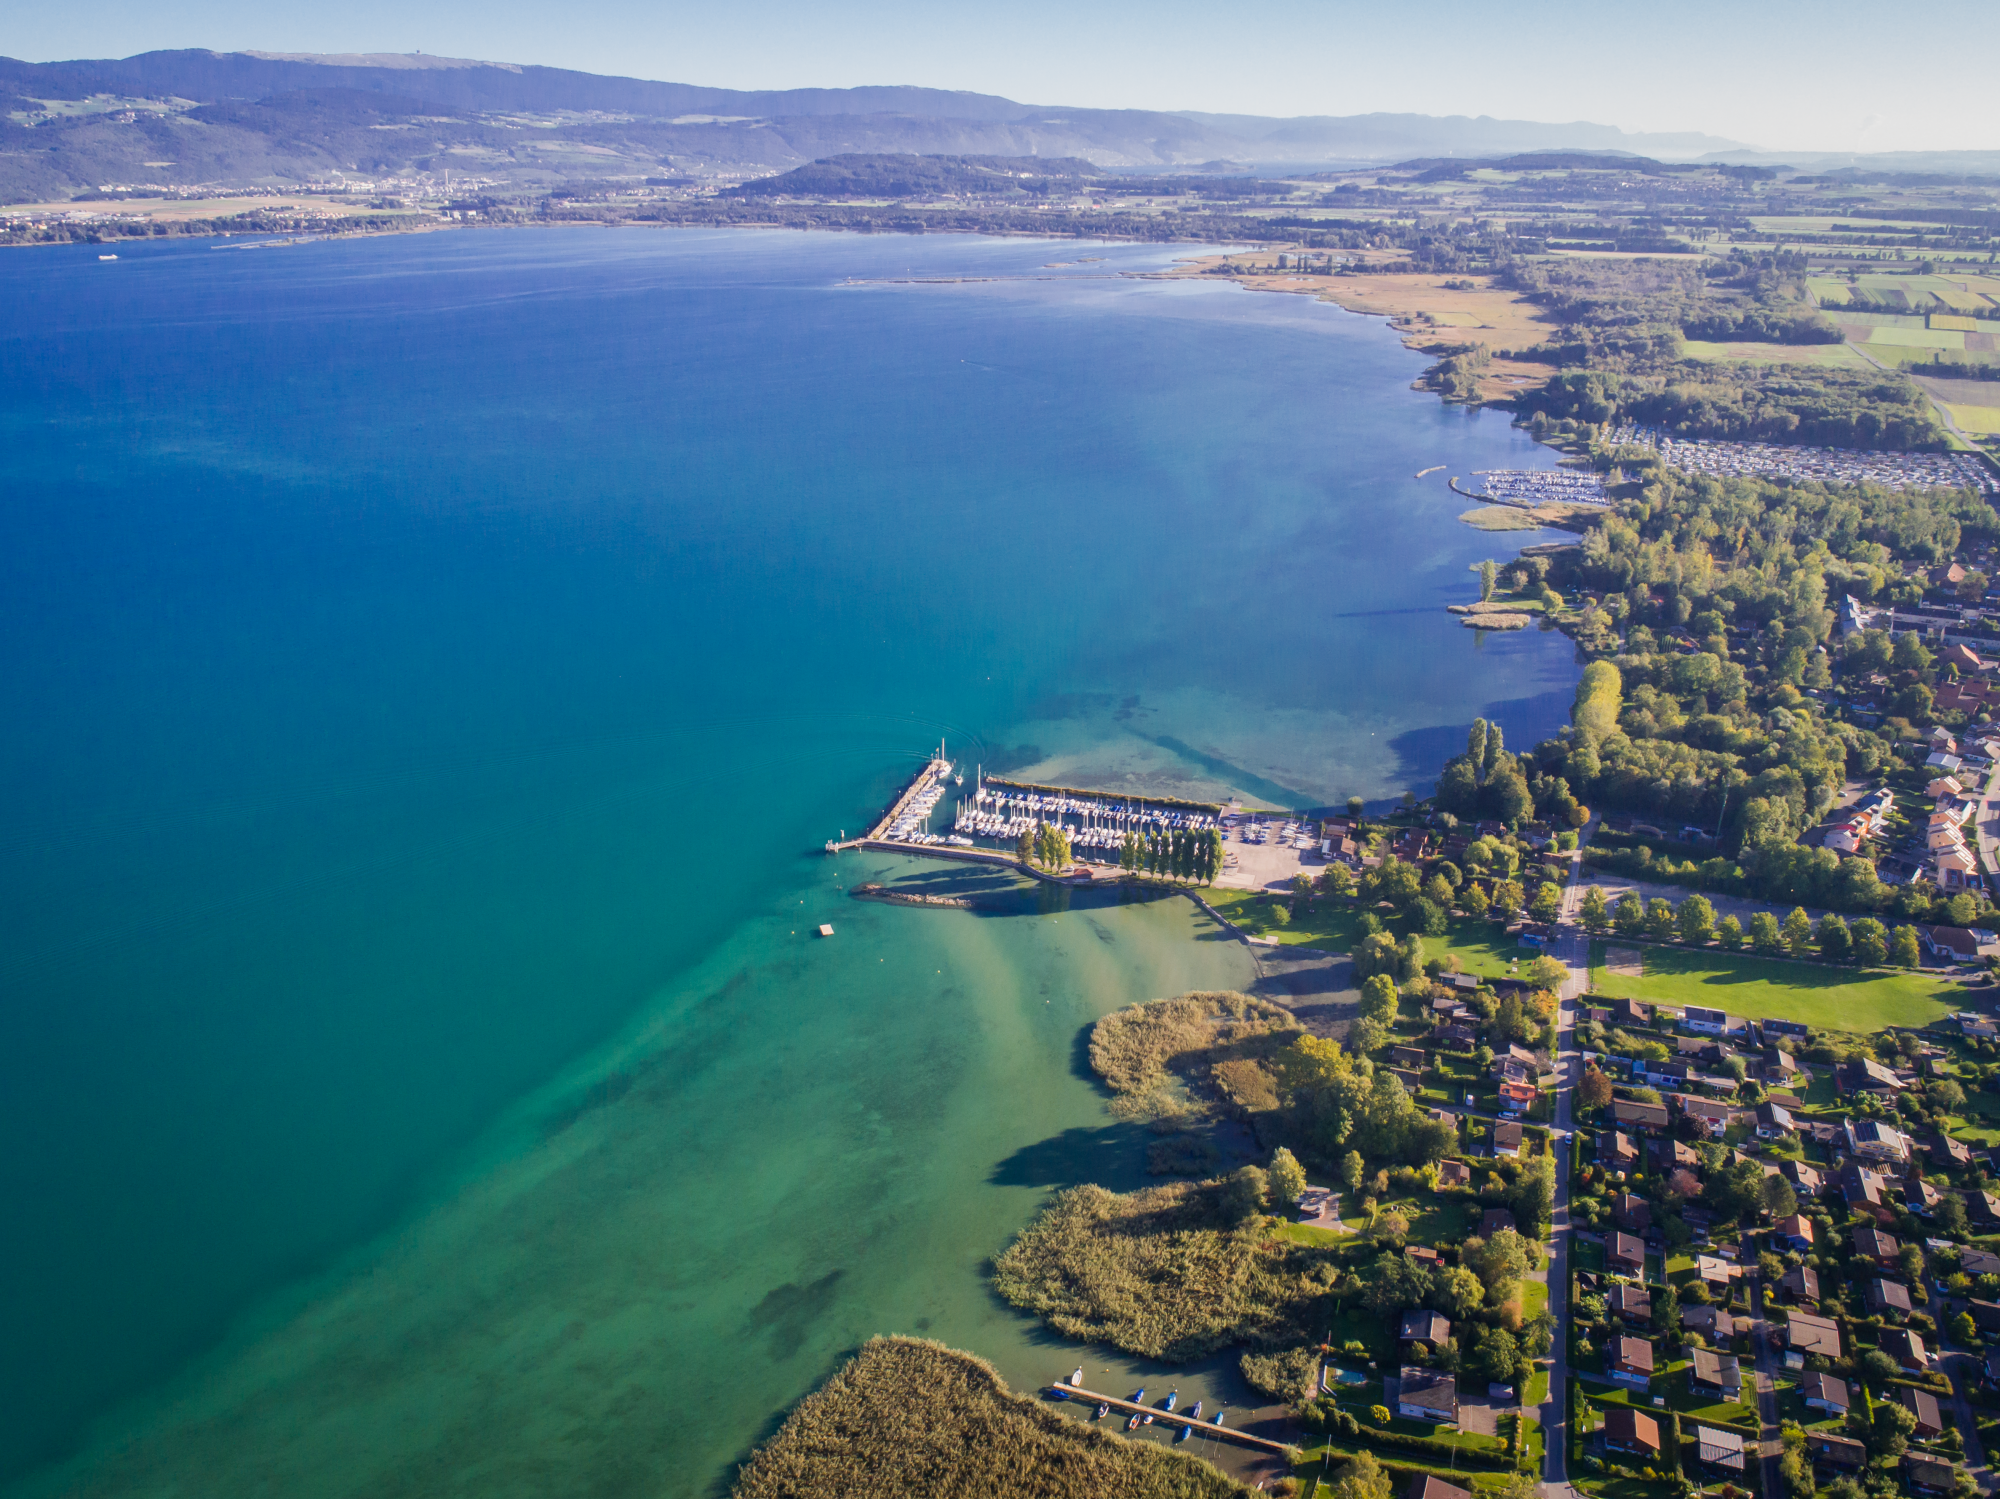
point(1660, 921)
point(1594, 1089)
point(1473, 901)
point(1547, 902)
point(1506, 899)
point(1352, 1168)
point(1871, 942)
point(1439, 891)
point(1496, 752)
point(1696, 919)
point(1729, 934)
point(1903, 950)
point(1595, 913)
point(1355, 807)
point(1780, 1201)
point(1456, 1291)
point(1361, 1477)
point(1798, 933)
point(1378, 998)
point(1951, 1219)
point(1365, 1036)
point(1548, 972)
point(1892, 1426)
point(1430, 917)
point(1288, 1177)
point(1880, 1367)
point(1488, 573)
point(1764, 933)
point(1497, 1354)
point(1629, 917)
point(1475, 752)
point(1245, 1192)
point(1502, 1258)
point(1835, 941)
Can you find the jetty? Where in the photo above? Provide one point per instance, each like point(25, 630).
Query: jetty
point(1170, 1418)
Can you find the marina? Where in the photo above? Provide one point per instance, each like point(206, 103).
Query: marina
point(1531, 487)
point(1828, 465)
point(1138, 1413)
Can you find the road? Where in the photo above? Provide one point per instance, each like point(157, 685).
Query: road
point(1572, 946)
point(1766, 1377)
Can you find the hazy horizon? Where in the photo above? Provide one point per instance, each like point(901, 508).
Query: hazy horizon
point(1784, 80)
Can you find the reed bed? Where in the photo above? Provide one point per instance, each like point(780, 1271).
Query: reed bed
point(1169, 1272)
point(1158, 1057)
point(907, 1418)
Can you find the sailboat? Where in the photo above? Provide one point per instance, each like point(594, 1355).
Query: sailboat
point(1077, 1377)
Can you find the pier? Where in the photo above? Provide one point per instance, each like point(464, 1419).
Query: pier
point(1171, 1418)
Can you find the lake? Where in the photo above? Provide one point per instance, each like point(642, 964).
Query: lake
point(435, 665)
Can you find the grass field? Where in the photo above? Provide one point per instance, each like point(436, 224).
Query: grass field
point(1771, 988)
point(1839, 355)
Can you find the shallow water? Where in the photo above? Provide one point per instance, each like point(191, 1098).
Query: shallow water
point(432, 657)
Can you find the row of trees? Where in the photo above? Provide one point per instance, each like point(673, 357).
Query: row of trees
point(1180, 853)
point(1865, 941)
point(1045, 844)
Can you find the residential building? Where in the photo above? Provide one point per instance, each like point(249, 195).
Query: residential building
point(1985, 1314)
point(1928, 1475)
point(1774, 1122)
point(1824, 1392)
point(1923, 1405)
point(1507, 1139)
point(1629, 1361)
point(1872, 1243)
point(1978, 1262)
point(1886, 1298)
point(1713, 1373)
point(1905, 1347)
point(1413, 1057)
point(1722, 1450)
point(1625, 1255)
point(1454, 1174)
point(1809, 1334)
point(1804, 1179)
point(1631, 1012)
point(1795, 1232)
point(1632, 1213)
point(1493, 1220)
point(1616, 1152)
point(1865, 1075)
point(1873, 1140)
point(1650, 1118)
point(1800, 1283)
point(1706, 1320)
point(1516, 1097)
point(1836, 1452)
point(1630, 1431)
point(1427, 1395)
point(1430, 1486)
point(1632, 1303)
point(1712, 1022)
point(1431, 1328)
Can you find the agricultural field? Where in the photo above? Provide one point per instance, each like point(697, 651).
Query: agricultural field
point(1957, 293)
point(1838, 999)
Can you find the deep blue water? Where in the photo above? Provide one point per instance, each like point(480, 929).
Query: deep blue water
point(423, 653)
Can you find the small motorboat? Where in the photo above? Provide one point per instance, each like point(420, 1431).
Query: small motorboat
point(1173, 1399)
point(1103, 1410)
point(1077, 1377)
point(1218, 1414)
point(1133, 1424)
point(1195, 1414)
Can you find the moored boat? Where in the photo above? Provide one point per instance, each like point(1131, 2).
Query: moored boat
point(1077, 1377)
point(1103, 1409)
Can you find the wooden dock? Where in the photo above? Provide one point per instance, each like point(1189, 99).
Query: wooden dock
point(1171, 1418)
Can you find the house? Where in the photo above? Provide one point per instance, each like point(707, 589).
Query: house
point(1630, 1431)
point(1719, 1449)
point(1629, 1361)
point(1952, 944)
point(1625, 1255)
point(1630, 1303)
point(1865, 1075)
point(1666, 1074)
point(1923, 1405)
point(1769, 1028)
point(1507, 1139)
point(1632, 1213)
point(1800, 1284)
point(1928, 1475)
point(1616, 1151)
point(1674, 1155)
point(1835, 1452)
point(1812, 1335)
point(1717, 1116)
point(1648, 1117)
point(1861, 1189)
point(1978, 1262)
point(1874, 1141)
point(1778, 1067)
point(1516, 1098)
point(1631, 1012)
point(1888, 1299)
point(1947, 1151)
point(1430, 1486)
point(1985, 1314)
point(1425, 1327)
point(1455, 1037)
point(1774, 1122)
point(1921, 1197)
point(1413, 1057)
point(1705, 1320)
point(1712, 1022)
point(1964, 657)
point(1905, 1347)
point(1824, 1392)
point(1717, 1374)
point(1872, 1243)
point(1454, 1174)
point(1427, 1395)
point(1984, 1208)
point(1795, 1232)
point(1716, 1273)
point(1424, 1256)
point(1804, 1179)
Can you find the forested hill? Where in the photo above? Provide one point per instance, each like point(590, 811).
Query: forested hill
point(185, 117)
point(908, 176)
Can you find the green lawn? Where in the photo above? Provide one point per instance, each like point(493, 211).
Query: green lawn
point(1534, 1299)
point(1482, 947)
point(1863, 1001)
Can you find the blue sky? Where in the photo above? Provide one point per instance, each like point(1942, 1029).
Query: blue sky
point(1838, 75)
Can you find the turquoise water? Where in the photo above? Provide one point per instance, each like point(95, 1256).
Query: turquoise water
point(434, 663)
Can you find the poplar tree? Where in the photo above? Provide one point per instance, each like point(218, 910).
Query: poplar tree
point(1496, 750)
point(1475, 751)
